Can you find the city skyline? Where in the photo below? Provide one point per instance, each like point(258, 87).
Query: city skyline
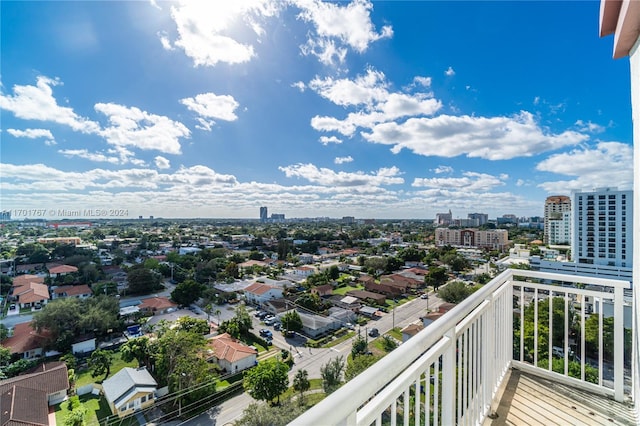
point(383, 109)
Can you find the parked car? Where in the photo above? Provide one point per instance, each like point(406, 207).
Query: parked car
point(424, 296)
point(374, 332)
point(269, 340)
point(266, 333)
point(277, 326)
point(270, 320)
point(12, 306)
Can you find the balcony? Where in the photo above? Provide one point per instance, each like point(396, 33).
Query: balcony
point(500, 345)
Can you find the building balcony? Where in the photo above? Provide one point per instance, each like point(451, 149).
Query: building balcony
point(503, 356)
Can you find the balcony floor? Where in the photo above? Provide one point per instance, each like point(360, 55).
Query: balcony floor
point(531, 400)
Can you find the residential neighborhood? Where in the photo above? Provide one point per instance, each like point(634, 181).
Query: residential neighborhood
point(228, 297)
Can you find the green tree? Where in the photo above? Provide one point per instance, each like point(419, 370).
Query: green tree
point(331, 374)
point(187, 292)
point(389, 343)
point(195, 325)
point(100, 363)
point(267, 415)
point(436, 277)
point(454, 292)
point(4, 332)
point(358, 364)
point(291, 321)
point(137, 348)
point(267, 381)
point(142, 280)
point(359, 346)
point(301, 383)
point(5, 356)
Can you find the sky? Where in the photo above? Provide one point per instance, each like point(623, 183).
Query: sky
point(383, 109)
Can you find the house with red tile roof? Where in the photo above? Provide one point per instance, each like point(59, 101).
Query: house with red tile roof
point(21, 280)
point(323, 290)
point(156, 305)
point(26, 398)
point(31, 294)
point(61, 270)
point(81, 291)
point(258, 293)
point(26, 342)
point(230, 354)
point(304, 271)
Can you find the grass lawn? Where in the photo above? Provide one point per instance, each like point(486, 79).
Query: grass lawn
point(313, 384)
point(96, 406)
point(395, 333)
point(340, 339)
point(343, 290)
point(83, 377)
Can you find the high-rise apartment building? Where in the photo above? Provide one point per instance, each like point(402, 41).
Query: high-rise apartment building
point(444, 219)
point(491, 239)
point(481, 217)
point(263, 214)
point(554, 207)
point(602, 227)
point(559, 230)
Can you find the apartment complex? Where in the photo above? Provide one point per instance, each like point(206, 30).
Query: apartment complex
point(554, 208)
point(490, 239)
point(263, 214)
point(482, 218)
point(603, 227)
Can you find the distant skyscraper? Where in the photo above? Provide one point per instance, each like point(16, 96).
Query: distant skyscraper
point(554, 206)
point(482, 218)
point(263, 214)
point(5, 215)
point(602, 227)
point(444, 219)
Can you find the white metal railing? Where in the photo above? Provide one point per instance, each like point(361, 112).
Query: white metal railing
point(449, 373)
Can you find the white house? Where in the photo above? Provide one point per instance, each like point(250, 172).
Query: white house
point(230, 354)
point(258, 293)
point(129, 390)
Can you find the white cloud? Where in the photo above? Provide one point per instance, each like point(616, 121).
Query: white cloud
point(450, 72)
point(536, 100)
point(337, 27)
point(369, 93)
point(342, 160)
point(424, 81)
point(363, 90)
point(91, 156)
point(33, 134)
point(131, 126)
point(37, 103)
point(471, 181)
point(165, 41)
point(607, 164)
point(162, 163)
point(299, 85)
point(589, 127)
point(211, 106)
point(443, 169)
point(204, 29)
point(328, 177)
point(326, 140)
point(491, 138)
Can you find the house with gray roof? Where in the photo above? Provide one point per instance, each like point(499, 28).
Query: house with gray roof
point(129, 390)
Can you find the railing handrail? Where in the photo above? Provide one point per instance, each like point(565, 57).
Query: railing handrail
point(361, 388)
point(394, 363)
point(604, 282)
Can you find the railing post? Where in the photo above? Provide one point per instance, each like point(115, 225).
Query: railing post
point(448, 379)
point(618, 344)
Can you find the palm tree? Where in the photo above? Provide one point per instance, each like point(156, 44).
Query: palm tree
point(217, 314)
point(301, 383)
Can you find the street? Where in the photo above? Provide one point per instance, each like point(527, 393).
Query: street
point(313, 359)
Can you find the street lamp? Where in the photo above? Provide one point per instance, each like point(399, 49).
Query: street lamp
point(180, 393)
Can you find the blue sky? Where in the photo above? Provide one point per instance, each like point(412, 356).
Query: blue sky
point(368, 109)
